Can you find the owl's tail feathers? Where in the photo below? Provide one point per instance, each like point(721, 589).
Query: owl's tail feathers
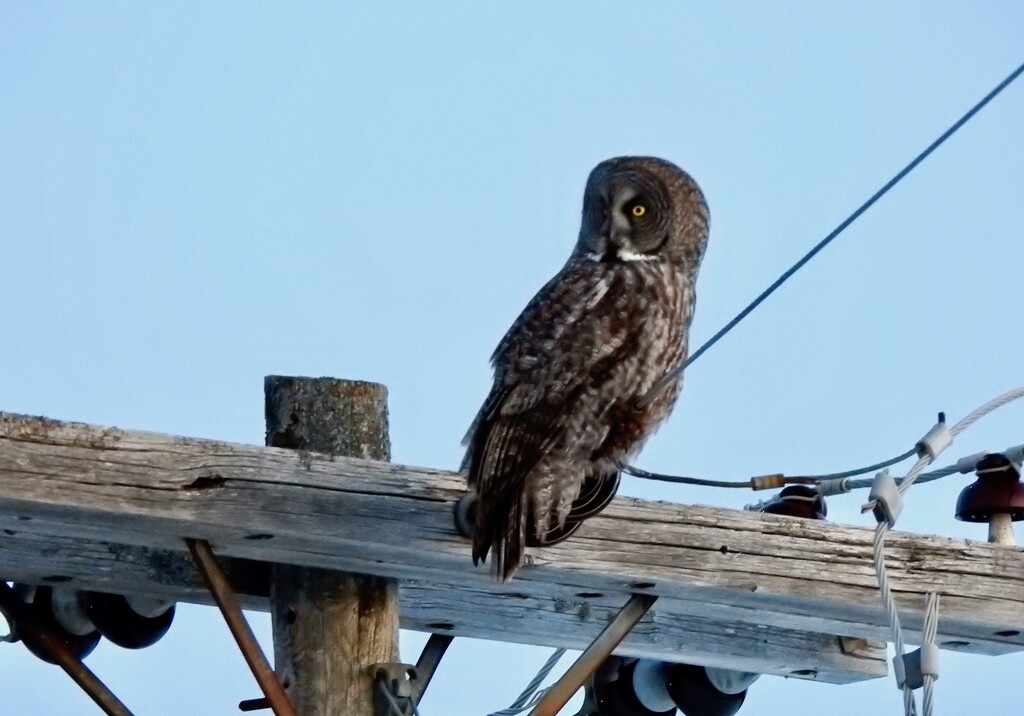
point(505, 530)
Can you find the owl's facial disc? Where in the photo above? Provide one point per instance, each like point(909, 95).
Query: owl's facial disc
point(627, 225)
point(642, 209)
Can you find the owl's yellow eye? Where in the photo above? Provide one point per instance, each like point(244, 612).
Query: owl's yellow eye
point(639, 210)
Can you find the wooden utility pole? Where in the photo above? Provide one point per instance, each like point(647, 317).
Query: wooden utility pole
point(330, 627)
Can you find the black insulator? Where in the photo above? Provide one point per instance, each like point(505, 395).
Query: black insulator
point(118, 621)
point(611, 691)
point(465, 515)
point(998, 490)
point(695, 695)
point(80, 645)
point(798, 501)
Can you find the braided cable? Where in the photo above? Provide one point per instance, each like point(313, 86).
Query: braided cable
point(889, 602)
point(992, 405)
point(931, 630)
point(530, 694)
point(878, 556)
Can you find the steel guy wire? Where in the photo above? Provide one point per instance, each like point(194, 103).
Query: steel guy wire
point(888, 601)
point(667, 379)
point(931, 631)
point(530, 695)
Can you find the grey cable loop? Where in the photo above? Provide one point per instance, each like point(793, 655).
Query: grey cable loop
point(878, 556)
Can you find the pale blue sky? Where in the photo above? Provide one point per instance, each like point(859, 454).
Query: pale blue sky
point(195, 195)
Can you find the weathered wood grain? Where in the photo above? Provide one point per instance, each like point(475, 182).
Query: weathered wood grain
point(562, 616)
point(148, 490)
point(330, 627)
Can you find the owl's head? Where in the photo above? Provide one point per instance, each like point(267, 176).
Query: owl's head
point(643, 209)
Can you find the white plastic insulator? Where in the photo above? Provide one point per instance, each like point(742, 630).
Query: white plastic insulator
point(9, 636)
point(911, 668)
point(69, 613)
point(149, 607)
point(730, 681)
point(934, 441)
point(969, 464)
point(650, 687)
point(930, 660)
point(885, 499)
point(27, 592)
point(1015, 454)
point(899, 670)
point(838, 486)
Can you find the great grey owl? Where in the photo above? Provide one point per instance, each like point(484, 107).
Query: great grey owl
point(565, 409)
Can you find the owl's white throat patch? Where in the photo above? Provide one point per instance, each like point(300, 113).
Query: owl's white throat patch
point(622, 255)
point(627, 255)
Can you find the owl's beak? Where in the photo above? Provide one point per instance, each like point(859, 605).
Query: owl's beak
point(617, 230)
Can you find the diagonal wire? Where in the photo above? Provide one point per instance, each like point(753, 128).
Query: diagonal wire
point(530, 695)
point(667, 379)
point(931, 628)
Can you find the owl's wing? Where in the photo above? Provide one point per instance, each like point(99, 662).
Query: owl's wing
point(598, 490)
point(558, 348)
